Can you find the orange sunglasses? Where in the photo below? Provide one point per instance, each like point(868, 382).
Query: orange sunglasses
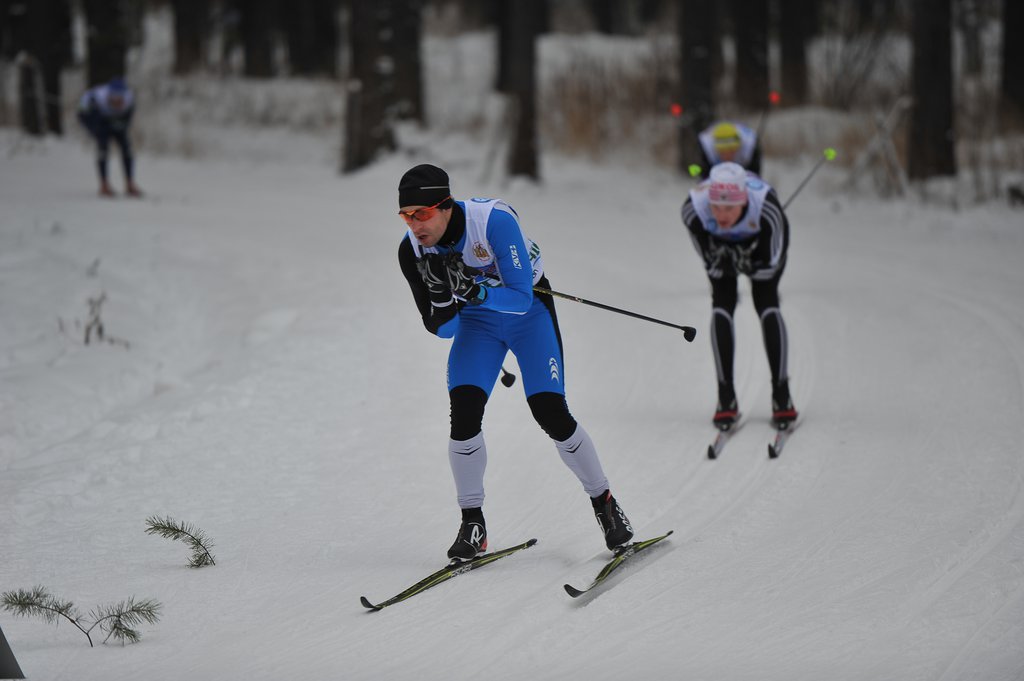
point(421, 214)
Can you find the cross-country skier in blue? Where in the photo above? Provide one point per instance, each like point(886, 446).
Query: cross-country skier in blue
point(106, 112)
point(472, 273)
point(739, 228)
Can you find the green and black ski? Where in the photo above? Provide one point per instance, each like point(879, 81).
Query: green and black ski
point(621, 556)
point(446, 573)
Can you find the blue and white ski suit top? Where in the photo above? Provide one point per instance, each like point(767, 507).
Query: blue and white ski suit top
point(95, 108)
point(488, 235)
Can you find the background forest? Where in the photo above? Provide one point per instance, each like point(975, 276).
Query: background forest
point(911, 89)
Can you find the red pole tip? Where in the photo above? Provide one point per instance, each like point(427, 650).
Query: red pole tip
point(676, 109)
point(774, 97)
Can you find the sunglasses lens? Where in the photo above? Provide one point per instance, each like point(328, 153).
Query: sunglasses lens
point(421, 214)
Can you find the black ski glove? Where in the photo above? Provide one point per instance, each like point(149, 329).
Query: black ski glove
point(434, 272)
point(744, 258)
point(461, 280)
point(718, 257)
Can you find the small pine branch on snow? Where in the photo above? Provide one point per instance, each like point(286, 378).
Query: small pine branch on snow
point(169, 528)
point(37, 602)
point(94, 325)
point(119, 621)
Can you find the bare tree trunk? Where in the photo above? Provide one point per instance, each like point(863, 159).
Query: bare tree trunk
point(312, 36)
point(408, 65)
point(30, 95)
point(504, 16)
point(522, 62)
point(793, 35)
point(107, 26)
point(45, 34)
point(968, 20)
point(258, 37)
point(931, 135)
point(603, 12)
point(58, 56)
point(191, 19)
point(696, 53)
point(752, 54)
point(616, 17)
point(52, 94)
point(1012, 76)
point(368, 118)
point(11, 23)
point(476, 14)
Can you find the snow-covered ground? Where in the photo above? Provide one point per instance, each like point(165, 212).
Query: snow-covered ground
point(269, 381)
point(272, 384)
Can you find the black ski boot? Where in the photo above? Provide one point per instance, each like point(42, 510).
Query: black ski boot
point(783, 411)
point(727, 411)
point(614, 523)
point(472, 538)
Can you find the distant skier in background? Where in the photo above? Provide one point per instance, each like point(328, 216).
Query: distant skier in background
point(472, 272)
point(727, 141)
point(106, 112)
point(738, 227)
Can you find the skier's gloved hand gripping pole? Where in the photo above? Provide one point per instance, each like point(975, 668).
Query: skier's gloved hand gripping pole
point(451, 273)
point(434, 273)
point(461, 280)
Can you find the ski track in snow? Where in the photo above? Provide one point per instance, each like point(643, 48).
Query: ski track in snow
point(279, 392)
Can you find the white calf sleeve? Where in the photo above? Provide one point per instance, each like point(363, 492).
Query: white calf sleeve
point(580, 456)
point(468, 459)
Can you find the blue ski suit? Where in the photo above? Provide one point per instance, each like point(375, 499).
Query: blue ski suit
point(512, 318)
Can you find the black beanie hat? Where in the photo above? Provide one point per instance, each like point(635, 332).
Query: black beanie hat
point(424, 185)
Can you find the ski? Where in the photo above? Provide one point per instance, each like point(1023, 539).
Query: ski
point(725, 431)
point(453, 569)
point(621, 556)
point(782, 433)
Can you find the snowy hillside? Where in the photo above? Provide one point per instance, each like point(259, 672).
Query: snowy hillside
point(278, 391)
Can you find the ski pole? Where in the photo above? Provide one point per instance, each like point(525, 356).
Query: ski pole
point(773, 100)
point(828, 155)
point(688, 331)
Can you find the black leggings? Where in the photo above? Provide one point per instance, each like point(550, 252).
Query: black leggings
point(766, 301)
point(120, 137)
